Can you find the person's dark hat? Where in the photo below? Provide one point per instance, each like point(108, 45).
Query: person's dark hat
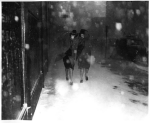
point(82, 31)
point(74, 32)
point(85, 32)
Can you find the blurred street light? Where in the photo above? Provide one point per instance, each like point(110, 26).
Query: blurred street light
point(118, 26)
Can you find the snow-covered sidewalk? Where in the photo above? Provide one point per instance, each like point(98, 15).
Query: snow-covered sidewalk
point(96, 100)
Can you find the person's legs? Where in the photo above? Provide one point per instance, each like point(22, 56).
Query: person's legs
point(67, 74)
point(65, 59)
point(70, 65)
point(70, 75)
point(81, 74)
point(86, 72)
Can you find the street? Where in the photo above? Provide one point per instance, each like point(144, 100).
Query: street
point(40, 39)
point(105, 97)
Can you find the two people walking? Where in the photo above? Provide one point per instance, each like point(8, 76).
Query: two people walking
point(79, 50)
point(70, 56)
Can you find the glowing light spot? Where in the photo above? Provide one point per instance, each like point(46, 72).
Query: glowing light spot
point(16, 18)
point(5, 93)
point(122, 92)
point(74, 23)
point(61, 87)
point(118, 26)
point(66, 28)
point(74, 3)
point(71, 15)
point(64, 11)
point(131, 77)
point(96, 11)
point(138, 12)
point(61, 6)
point(97, 3)
point(27, 46)
point(130, 14)
point(144, 59)
point(68, 61)
point(137, 32)
point(51, 7)
point(91, 60)
point(17, 98)
point(75, 86)
point(75, 51)
point(143, 82)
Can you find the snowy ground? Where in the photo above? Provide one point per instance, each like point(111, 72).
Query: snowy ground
point(93, 101)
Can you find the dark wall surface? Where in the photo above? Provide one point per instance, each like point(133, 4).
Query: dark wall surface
point(24, 57)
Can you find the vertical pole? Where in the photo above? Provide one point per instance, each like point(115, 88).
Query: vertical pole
point(47, 35)
point(106, 29)
point(23, 50)
point(42, 39)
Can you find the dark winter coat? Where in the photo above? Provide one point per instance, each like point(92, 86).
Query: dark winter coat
point(70, 54)
point(83, 53)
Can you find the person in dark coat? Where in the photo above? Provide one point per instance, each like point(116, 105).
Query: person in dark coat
point(70, 56)
point(83, 54)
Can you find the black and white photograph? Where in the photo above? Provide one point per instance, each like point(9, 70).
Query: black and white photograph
point(75, 61)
